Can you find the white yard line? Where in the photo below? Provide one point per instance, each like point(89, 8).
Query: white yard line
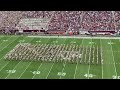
point(93, 52)
point(5, 46)
point(77, 62)
point(89, 59)
point(4, 66)
point(25, 70)
point(97, 54)
point(64, 64)
point(3, 56)
point(50, 70)
point(14, 67)
point(52, 66)
point(63, 69)
point(29, 64)
point(53, 63)
point(101, 58)
point(86, 48)
point(38, 68)
point(26, 67)
point(113, 58)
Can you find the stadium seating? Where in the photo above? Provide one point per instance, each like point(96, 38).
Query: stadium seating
point(65, 20)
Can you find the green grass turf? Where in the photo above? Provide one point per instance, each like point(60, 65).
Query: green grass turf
point(110, 55)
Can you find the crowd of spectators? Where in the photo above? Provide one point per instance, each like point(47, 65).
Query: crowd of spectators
point(117, 20)
point(9, 20)
point(98, 20)
point(65, 20)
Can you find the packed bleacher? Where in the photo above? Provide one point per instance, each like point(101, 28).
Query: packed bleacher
point(65, 20)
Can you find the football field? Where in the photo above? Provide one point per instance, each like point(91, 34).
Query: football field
point(104, 51)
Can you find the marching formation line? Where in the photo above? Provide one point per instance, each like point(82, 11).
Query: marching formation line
point(97, 53)
point(93, 52)
point(82, 53)
point(38, 68)
point(113, 58)
point(29, 64)
point(89, 60)
point(52, 65)
point(78, 60)
point(64, 64)
point(50, 69)
point(14, 67)
point(101, 58)
point(86, 49)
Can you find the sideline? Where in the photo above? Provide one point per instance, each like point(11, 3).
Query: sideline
point(82, 37)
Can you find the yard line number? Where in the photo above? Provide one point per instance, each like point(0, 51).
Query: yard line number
point(89, 75)
point(61, 74)
point(10, 71)
point(115, 77)
point(35, 72)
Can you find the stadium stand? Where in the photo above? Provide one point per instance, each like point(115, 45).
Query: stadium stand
point(64, 20)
